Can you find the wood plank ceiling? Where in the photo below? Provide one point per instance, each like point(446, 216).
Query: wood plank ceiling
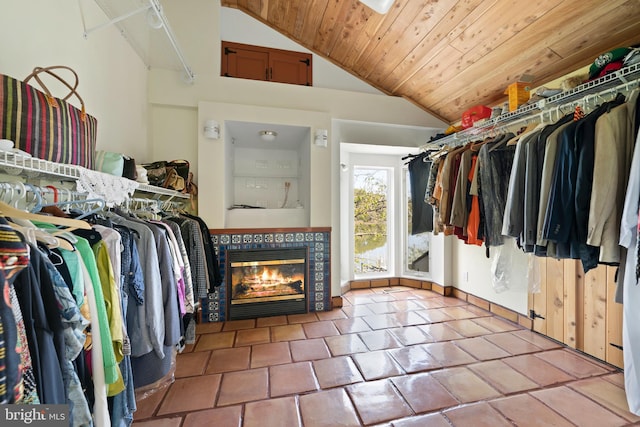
point(448, 55)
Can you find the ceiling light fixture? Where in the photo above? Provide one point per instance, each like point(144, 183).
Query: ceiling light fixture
point(268, 135)
point(380, 6)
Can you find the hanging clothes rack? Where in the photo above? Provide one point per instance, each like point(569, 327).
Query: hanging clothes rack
point(623, 79)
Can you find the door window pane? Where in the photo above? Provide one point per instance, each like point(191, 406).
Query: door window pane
point(371, 238)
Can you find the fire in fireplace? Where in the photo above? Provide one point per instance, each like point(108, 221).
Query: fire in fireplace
point(275, 280)
point(266, 282)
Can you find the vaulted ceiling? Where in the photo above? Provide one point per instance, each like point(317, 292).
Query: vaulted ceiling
point(448, 55)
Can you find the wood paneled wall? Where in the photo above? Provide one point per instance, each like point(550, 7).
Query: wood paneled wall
point(579, 309)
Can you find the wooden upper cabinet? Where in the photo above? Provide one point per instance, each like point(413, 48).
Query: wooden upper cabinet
point(261, 63)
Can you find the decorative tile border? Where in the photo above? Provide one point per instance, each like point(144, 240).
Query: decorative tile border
point(319, 265)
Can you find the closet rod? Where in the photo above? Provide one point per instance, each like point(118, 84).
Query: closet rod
point(629, 76)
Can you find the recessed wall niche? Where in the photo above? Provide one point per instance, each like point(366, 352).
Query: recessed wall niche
point(267, 179)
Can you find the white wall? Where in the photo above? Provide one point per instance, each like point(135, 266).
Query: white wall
point(113, 79)
point(197, 26)
point(471, 272)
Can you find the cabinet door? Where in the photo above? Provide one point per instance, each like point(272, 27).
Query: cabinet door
point(260, 63)
point(290, 67)
point(245, 63)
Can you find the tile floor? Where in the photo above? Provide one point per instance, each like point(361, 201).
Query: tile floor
point(390, 357)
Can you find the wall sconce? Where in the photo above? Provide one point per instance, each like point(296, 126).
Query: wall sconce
point(268, 135)
point(321, 137)
point(211, 129)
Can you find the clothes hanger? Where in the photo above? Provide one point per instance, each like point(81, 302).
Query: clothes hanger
point(10, 211)
point(443, 150)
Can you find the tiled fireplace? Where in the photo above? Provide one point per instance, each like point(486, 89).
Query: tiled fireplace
point(263, 246)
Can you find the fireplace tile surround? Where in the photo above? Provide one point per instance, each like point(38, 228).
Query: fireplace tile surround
point(316, 239)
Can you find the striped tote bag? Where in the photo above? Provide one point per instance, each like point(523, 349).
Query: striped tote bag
point(44, 126)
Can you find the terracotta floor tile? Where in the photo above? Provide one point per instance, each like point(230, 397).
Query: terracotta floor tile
point(252, 336)
point(243, 386)
point(414, 359)
point(263, 413)
point(208, 327)
point(379, 340)
point(538, 370)
point(311, 349)
point(160, 422)
point(334, 314)
point(406, 305)
point(376, 364)
point(524, 410)
point(402, 293)
point(452, 301)
point(357, 311)
point(381, 296)
point(270, 354)
point(616, 378)
point(410, 335)
point(292, 378)
point(352, 325)
point(431, 303)
point(229, 359)
point(147, 407)
point(424, 393)
point(264, 322)
point(512, 343)
point(440, 332)
point(434, 315)
point(607, 394)
point(423, 293)
point(320, 329)
point(409, 318)
point(190, 364)
point(448, 354)
point(381, 321)
point(468, 328)
point(537, 339)
point(189, 348)
point(378, 401)
point(234, 325)
point(345, 344)
point(479, 414)
point(382, 307)
point(216, 340)
point(181, 396)
point(328, 409)
point(336, 371)
point(581, 410)
point(480, 312)
point(431, 420)
point(302, 318)
point(502, 377)
point(230, 416)
point(495, 324)
point(481, 349)
point(464, 385)
point(458, 312)
point(572, 363)
point(287, 333)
